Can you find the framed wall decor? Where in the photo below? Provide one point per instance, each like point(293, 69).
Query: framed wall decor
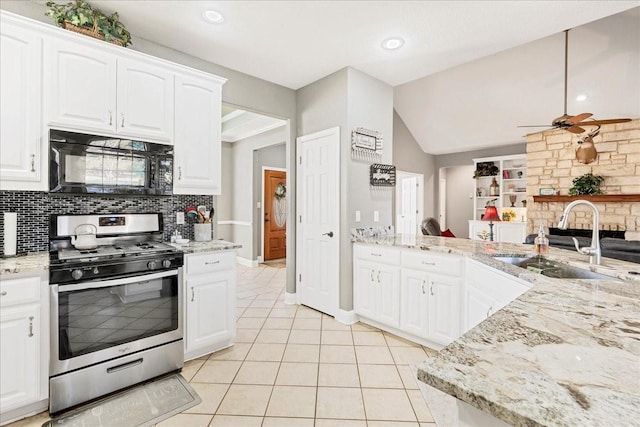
point(382, 175)
point(366, 144)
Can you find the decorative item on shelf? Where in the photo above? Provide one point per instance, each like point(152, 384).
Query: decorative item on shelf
point(382, 175)
point(519, 174)
point(481, 191)
point(586, 184)
point(494, 188)
point(547, 191)
point(81, 18)
point(524, 203)
point(486, 169)
point(491, 214)
point(366, 144)
point(511, 187)
point(506, 174)
point(508, 215)
point(512, 199)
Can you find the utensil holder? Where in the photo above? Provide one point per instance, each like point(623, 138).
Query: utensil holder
point(202, 232)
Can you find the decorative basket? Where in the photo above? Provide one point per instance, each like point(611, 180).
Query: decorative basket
point(90, 31)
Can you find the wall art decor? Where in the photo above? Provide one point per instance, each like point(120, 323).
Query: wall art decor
point(366, 144)
point(382, 175)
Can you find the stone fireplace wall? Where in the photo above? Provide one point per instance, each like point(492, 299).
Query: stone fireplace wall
point(551, 163)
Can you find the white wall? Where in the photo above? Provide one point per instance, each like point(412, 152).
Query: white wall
point(459, 209)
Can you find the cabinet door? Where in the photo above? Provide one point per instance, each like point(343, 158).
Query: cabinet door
point(19, 356)
point(364, 295)
point(478, 228)
point(80, 86)
point(444, 308)
point(145, 100)
point(210, 320)
point(20, 117)
point(197, 136)
point(512, 233)
point(414, 304)
point(388, 295)
point(478, 306)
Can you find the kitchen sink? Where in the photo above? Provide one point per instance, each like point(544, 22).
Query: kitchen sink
point(553, 269)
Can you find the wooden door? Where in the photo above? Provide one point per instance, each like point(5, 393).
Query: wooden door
point(275, 214)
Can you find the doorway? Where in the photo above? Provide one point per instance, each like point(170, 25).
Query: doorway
point(409, 202)
point(274, 196)
point(456, 188)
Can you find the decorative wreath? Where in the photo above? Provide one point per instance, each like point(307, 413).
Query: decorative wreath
point(281, 191)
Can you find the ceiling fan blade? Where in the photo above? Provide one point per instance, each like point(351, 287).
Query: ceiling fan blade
point(603, 122)
point(575, 129)
point(577, 119)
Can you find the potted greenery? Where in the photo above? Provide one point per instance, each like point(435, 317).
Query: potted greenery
point(80, 17)
point(586, 184)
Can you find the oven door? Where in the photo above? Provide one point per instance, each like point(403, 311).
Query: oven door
point(92, 322)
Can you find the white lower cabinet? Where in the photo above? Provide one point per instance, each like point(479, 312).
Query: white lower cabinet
point(377, 292)
point(503, 231)
point(24, 353)
point(444, 309)
point(209, 301)
point(487, 290)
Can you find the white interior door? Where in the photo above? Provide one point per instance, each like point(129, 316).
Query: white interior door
point(318, 237)
point(409, 205)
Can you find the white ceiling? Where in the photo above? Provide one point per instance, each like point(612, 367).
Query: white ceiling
point(294, 43)
point(239, 124)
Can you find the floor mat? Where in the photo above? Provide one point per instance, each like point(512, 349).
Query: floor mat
point(144, 405)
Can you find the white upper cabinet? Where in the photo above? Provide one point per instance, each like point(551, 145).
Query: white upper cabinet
point(197, 135)
point(145, 100)
point(96, 90)
point(21, 145)
point(80, 84)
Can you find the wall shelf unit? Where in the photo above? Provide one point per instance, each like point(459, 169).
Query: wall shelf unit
point(512, 181)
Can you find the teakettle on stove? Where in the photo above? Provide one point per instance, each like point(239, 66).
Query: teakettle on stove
point(85, 237)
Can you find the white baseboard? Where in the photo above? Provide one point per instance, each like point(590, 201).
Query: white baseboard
point(260, 258)
point(290, 298)
point(247, 262)
point(346, 317)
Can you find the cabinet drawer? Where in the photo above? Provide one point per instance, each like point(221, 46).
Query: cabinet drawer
point(377, 254)
point(210, 262)
point(449, 265)
point(19, 290)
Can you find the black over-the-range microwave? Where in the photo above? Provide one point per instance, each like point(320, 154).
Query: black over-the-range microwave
point(81, 163)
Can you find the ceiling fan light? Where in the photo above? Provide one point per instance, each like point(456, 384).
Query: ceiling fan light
point(213, 16)
point(393, 43)
point(582, 97)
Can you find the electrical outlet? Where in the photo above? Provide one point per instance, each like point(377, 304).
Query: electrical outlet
point(376, 216)
point(179, 218)
point(258, 205)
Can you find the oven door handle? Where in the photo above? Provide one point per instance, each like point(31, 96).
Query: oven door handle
point(116, 282)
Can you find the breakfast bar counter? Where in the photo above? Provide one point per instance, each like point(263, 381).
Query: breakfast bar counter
point(564, 353)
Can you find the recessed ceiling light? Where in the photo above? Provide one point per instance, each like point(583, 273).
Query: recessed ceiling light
point(581, 97)
point(393, 43)
point(213, 16)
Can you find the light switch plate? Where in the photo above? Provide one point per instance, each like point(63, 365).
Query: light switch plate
point(357, 216)
point(179, 218)
point(376, 216)
point(258, 205)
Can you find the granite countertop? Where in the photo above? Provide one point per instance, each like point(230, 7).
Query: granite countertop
point(36, 261)
point(211, 246)
point(564, 353)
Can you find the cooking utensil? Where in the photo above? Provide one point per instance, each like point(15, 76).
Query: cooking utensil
point(211, 212)
point(85, 237)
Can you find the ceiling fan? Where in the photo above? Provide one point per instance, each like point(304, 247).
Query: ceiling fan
point(570, 123)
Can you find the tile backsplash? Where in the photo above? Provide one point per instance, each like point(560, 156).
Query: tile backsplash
point(35, 207)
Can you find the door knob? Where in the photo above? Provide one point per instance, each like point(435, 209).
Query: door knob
point(330, 234)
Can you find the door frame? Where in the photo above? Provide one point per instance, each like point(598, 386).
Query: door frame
point(442, 201)
point(268, 168)
point(334, 131)
point(419, 196)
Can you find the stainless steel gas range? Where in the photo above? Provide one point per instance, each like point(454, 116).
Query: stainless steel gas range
point(116, 305)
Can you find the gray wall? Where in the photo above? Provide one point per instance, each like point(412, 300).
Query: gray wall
point(349, 99)
point(270, 157)
point(240, 90)
point(409, 157)
point(460, 186)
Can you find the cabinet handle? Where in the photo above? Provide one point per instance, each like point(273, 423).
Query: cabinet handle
point(372, 275)
point(193, 294)
point(30, 326)
point(179, 172)
point(489, 311)
point(212, 262)
point(423, 292)
point(3, 293)
point(378, 276)
point(122, 122)
point(33, 163)
point(428, 263)
point(110, 118)
point(373, 254)
point(431, 289)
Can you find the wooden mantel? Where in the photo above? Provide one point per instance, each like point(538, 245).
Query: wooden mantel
point(602, 198)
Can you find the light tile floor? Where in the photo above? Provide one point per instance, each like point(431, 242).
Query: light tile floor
point(294, 366)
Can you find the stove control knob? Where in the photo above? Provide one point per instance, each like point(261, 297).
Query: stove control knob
point(152, 265)
point(166, 263)
point(95, 270)
point(76, 274)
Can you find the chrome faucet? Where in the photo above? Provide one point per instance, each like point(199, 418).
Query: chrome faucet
point(593, 251)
